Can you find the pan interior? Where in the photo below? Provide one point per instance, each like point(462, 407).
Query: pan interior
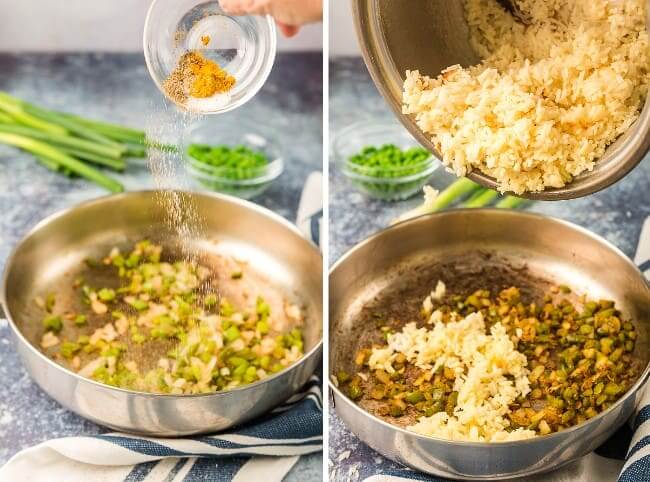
point(398, 295)
point(388, 276)
point(52, 257)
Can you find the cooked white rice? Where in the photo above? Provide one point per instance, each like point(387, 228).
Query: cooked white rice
point(490, 375)
point(547, 99)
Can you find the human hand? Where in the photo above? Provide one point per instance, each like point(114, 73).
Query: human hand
point(288, 14)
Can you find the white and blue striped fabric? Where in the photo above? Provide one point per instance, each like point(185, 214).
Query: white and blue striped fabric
point(625, 457)
point(264, 449)
point(637, 461)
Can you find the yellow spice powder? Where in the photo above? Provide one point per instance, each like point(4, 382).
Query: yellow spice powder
point(197, 76)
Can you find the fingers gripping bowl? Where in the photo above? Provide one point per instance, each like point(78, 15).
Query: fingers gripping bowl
point(469, 250)
point(48, 259)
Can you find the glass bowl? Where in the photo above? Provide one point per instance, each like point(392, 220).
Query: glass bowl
point(389, 185)
point(243, 183)
point(244, 46)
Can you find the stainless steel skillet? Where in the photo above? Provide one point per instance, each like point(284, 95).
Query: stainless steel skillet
point(48, 258)
point(469, 249)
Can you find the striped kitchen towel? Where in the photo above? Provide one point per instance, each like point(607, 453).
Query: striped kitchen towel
point(637, 463)
point(264, 449)
point(611, 462)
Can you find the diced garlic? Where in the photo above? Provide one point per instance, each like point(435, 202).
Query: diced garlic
point(49, 340)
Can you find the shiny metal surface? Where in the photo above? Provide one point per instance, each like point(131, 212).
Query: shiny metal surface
point(477, 244)
point(430, 35)
point(224, 225)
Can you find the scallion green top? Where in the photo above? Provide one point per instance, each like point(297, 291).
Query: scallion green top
point(389, 160)
point(237, 162)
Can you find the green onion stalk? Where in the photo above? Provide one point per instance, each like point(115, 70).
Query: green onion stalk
point(511, 202)
point(70, 144)
point(481, 199)
point(474, 196)
point(434, 201)
point(56, 157)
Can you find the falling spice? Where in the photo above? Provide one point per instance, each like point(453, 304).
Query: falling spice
point(205, 39)
point(196, 76)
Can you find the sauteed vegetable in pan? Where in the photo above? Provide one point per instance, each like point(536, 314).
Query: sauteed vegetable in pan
point(198, 339)
point(174, 388)
point(493, 366)
point(501, 318)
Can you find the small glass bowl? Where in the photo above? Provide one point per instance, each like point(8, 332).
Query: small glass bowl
point(388, 185)
point(244, 46)
point(244, 184)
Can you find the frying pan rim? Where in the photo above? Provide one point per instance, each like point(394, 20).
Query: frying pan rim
point(102, 199)
point(632, 391)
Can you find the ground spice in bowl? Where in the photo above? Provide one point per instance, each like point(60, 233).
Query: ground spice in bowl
point(197, 76)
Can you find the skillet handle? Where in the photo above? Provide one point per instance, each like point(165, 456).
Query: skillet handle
point(642, 258)
point(310, 209)
point(645, 269)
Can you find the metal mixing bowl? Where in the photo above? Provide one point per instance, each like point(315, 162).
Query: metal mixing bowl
point(43, 261)
point(430, 35)
point(468, 250)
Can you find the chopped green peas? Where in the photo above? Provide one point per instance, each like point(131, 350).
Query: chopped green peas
point(395, 410)
point(217, 167)
point(586, 329)
point(262, 308)
point(250, 375)
point(50, 301)
point(414, 397)
point(69, 348)
point(132, 261)
point(237, 162)
point(225, 308)
point(106, 294)
point(170, 315)
point(210, 300)
point(140, 305)
point(235, 361)
point(265, 362)
point(240, 369)
point(579, 361)
point(53, 323)
point(232, 333)
point(389, 162)
point(263, 327)
point(343, 377)
point(355, 392)
point(382, 160)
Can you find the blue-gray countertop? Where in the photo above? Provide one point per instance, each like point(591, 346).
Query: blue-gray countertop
point(616, 213)
point(117, 87)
